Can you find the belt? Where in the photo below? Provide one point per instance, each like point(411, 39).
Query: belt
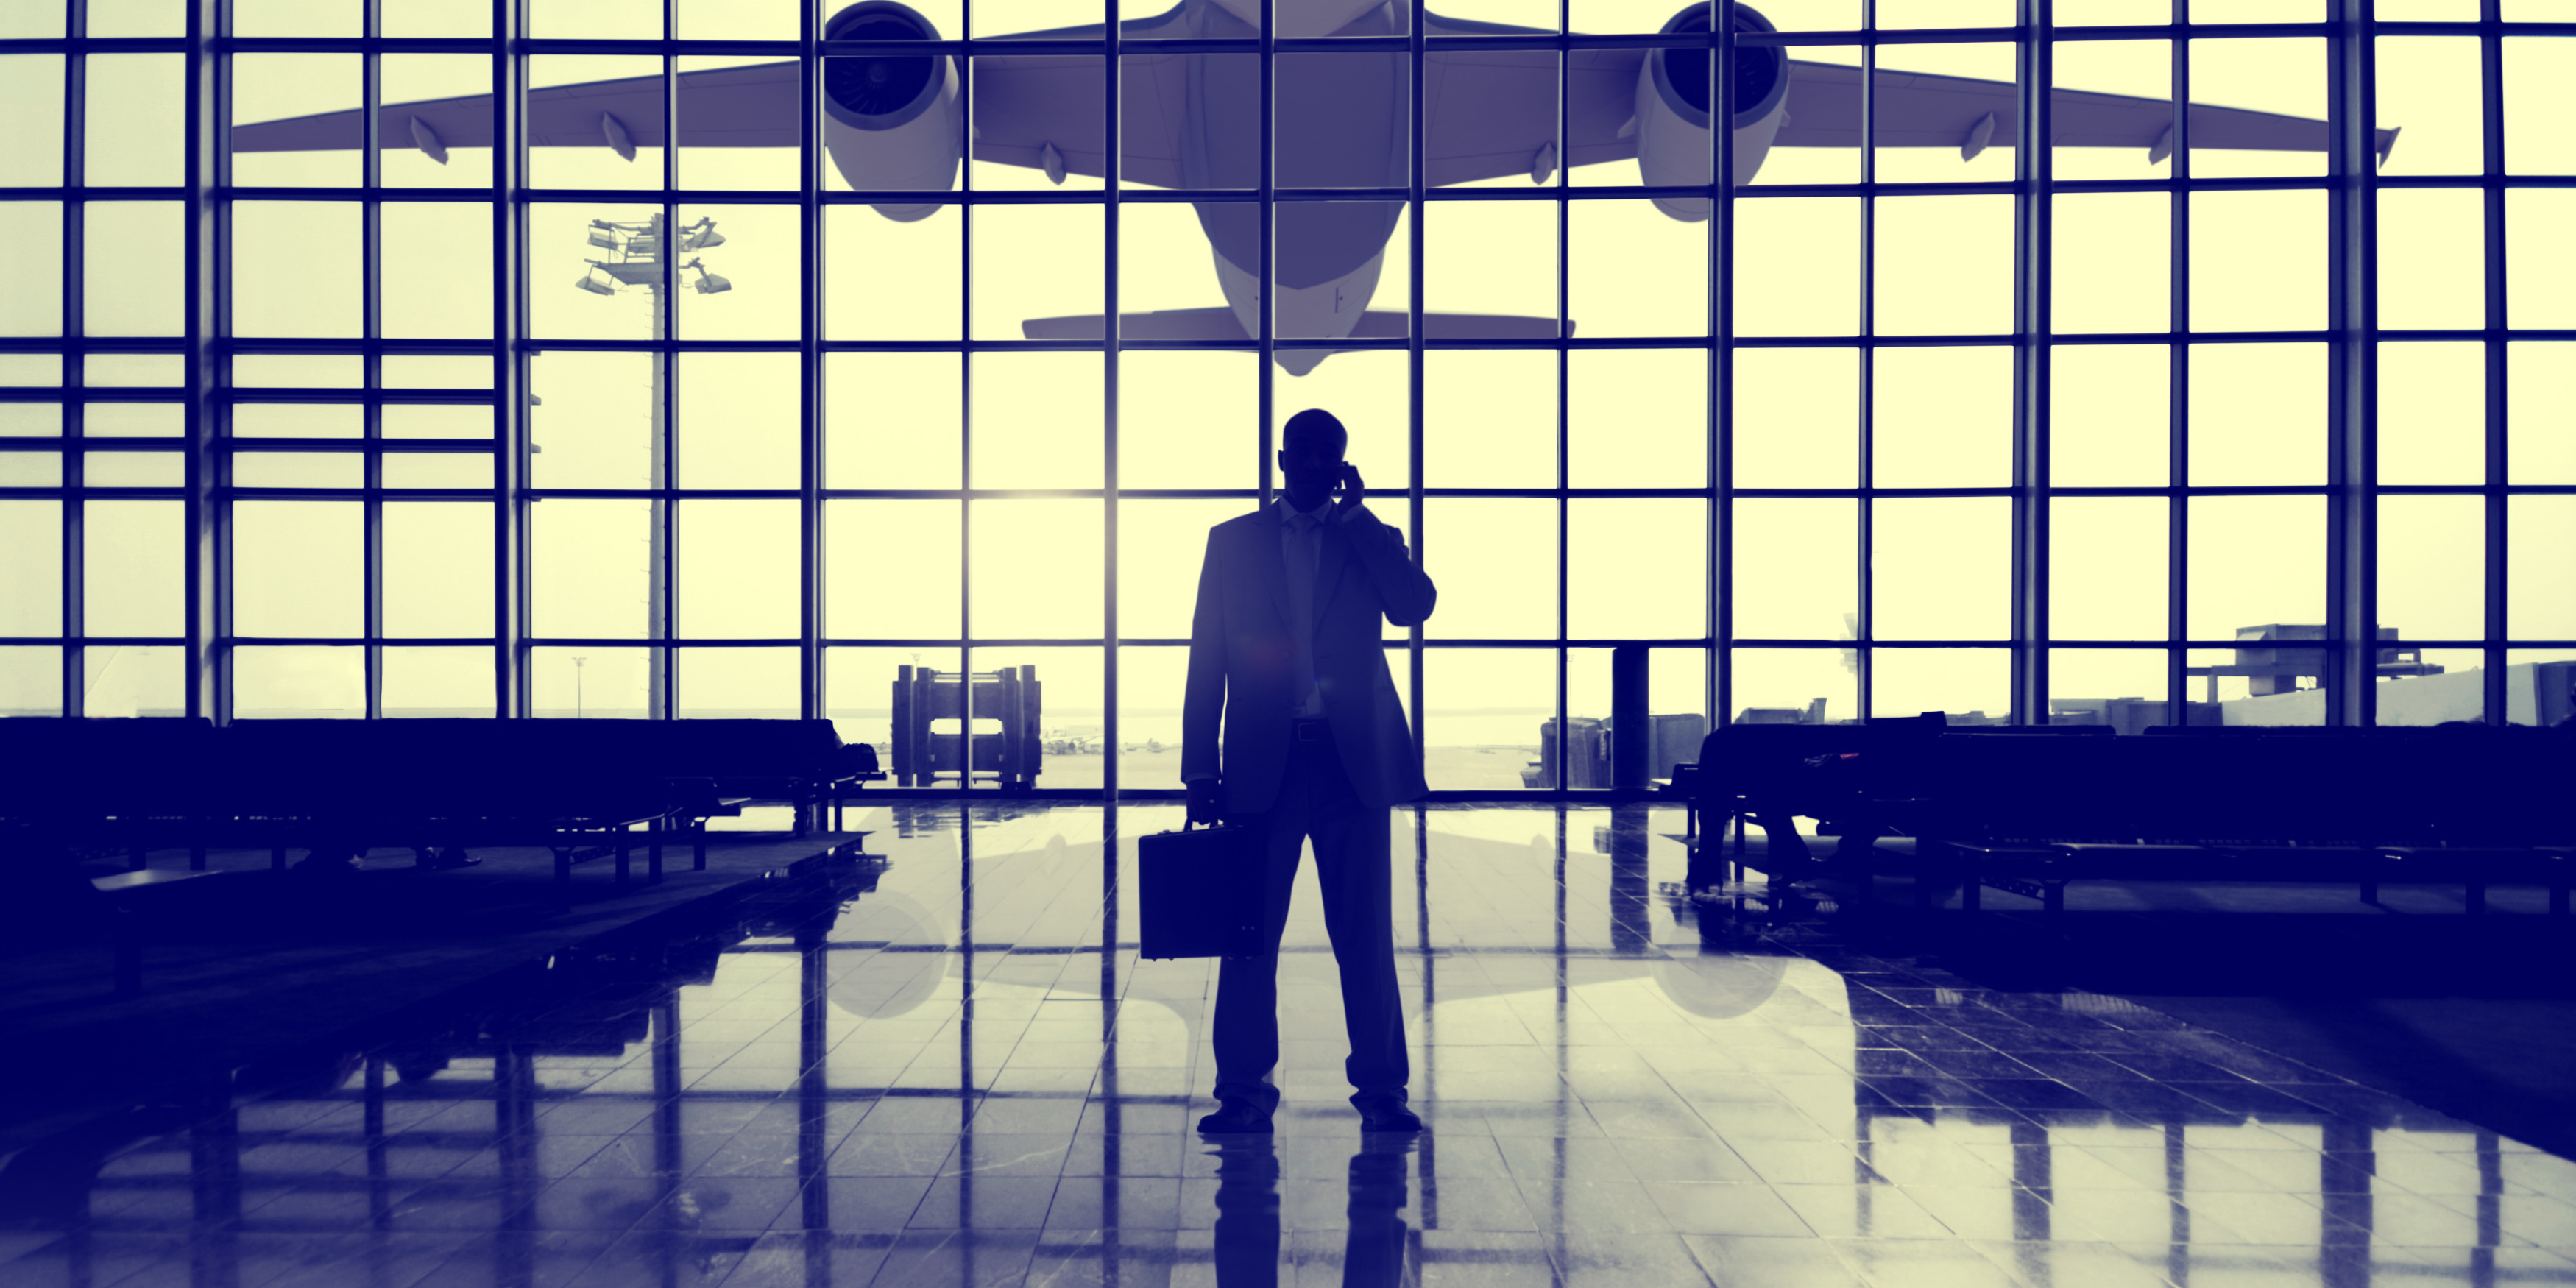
point(1317, 729)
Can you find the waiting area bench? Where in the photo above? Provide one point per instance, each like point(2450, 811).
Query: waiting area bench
point(2030, 812)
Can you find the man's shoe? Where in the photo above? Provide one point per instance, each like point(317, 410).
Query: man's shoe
point(1389, 1118)
point(1236, 1118)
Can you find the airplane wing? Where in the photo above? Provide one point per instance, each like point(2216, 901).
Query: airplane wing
point(1916, 110)
point(726, 107)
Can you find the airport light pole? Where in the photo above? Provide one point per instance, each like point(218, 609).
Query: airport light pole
point(638, 256)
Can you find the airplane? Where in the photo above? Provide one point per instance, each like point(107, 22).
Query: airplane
point(898, 124)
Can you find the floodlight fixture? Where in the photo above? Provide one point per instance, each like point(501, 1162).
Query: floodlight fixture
point(701, 235)
point(708, 283)
point(590, 282)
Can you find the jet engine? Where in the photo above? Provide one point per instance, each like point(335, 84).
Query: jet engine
point(892, 121)
point(1672, 109)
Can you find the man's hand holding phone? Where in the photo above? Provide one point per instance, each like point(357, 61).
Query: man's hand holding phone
point(1353, 492)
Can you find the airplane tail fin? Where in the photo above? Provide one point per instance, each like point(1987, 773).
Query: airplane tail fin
point(1220, 324)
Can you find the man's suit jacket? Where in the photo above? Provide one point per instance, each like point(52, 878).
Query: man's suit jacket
point(1241, 666)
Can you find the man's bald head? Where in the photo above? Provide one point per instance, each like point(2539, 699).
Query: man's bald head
point(1319, 425)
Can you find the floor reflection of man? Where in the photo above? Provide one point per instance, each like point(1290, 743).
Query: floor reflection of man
point(1247, 1214)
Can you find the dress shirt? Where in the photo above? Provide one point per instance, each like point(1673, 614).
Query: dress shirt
point(1301, 548)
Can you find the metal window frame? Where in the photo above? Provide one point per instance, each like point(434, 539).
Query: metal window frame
point(2352, 492)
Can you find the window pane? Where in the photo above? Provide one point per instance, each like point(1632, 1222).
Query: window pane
point(1485, 710)
point(738, 570)
point(1676, 684)
point(2258, 414)
point(2540, 412)
point(630, 91)
point(36, 307)
point(890, 569)
point(1637, 418)
point(2107, 560)
point(2108, 415)
point(1494, 560)
point(31, 568)
point(2111, 262)
point(1190, 419)
point(2540, 563)
point(2430, 85)
point(592, 419)
point(1795, 685)
point(1941, 568)
point(2258, 261)
point(134, 261)
point(2540, 265)
point(295, 268)
point(1633, 271)
point(301, 682)
point(2432, 413)
point(591, 559)
point(438, 270)
point(737, 684)
point(133, 567)
point(438, 570)
point(1971, 685)
point(1942, 417)
point(1034, 569)
point(31, 120)
point(1491, 257)
point(134, 680)
point(588, 276)
point(1797, 417)
point(2120, 687)
point(739, 415)
point(590, 683)
point(2432, 566)
point(295, 87)
point(1637, 569)
point(1488, 418)
point(890, 280)
point(1943, 266)
point(442, 471)
point(892, 420)
point(1034, 262)
point(1797, 266)
point(736, 131)
point(1037, 419)
point(1908, 152)
point(1796, 569)
point(438, 682)
point(31, 681)
point(752, 288)
point(2432, 259)
point(2132, 68)
point(2537, 72)
point(297, 568)
point(2254, 561)
point(421, 78)
point(1150, 684)
point(135, 124)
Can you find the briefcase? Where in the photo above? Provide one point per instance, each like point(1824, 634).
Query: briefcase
point(1201, 893)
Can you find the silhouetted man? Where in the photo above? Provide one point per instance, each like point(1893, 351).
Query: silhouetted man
point(1286, 646)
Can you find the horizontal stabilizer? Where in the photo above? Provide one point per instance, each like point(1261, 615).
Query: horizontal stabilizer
point(1219, 324)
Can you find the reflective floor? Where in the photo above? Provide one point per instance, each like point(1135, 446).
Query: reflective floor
point(928, 1071)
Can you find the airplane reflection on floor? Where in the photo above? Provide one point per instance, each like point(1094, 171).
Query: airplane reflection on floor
point(949, 1067)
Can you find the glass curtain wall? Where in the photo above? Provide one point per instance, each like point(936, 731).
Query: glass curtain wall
point(552, 358)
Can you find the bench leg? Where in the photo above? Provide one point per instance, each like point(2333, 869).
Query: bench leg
point(653, 856)
point(196, 858)
point(2052, 897)
point(2477, 897)
point(625, 850)
point(2370, 892)
point(698, 835)
point(277, 858)
point(2558, 899)
point(563, 865)
point(1971, 890)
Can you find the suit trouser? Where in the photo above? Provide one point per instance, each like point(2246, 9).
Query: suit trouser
point(1316, 799)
